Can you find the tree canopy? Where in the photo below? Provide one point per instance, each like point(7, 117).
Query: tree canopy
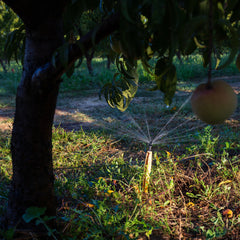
point(8, 22)
point(159, 29)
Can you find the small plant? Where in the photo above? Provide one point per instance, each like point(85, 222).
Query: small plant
point(208, 141)
point(35, 213)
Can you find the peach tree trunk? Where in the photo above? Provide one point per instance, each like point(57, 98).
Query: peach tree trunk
point(31, 144)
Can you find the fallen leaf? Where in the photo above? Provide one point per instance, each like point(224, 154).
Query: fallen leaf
point(108, 193)
point(190, 205)
point(168, 154)
point(90, 205)
point(228, 213)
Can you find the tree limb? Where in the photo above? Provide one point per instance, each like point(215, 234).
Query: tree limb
point(42, 75)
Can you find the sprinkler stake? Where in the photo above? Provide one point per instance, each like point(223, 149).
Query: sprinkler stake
point(147, 170)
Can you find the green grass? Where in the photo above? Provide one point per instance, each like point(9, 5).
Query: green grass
point(99, 189)
point(191, 68)
point(5, 169)
point(188, 69)
point(99, 173)
point(102, 197)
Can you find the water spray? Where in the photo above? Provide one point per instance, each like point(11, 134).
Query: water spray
point(147, 168)
point(165, 134)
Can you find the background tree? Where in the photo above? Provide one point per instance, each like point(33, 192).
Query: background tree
point(8, 22)
point(88, 20)
point(167, 27)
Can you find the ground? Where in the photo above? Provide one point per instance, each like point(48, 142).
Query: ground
point(86, 111)
point(74, 113)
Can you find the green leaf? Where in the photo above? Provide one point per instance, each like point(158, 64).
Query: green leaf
point(234, 42)
point(166, 79)
point(217, 62)
point(33, 213)
point(63, 54)
point(169, 85)
point(210, 234)
point(39, 221)
point(15, 44)
point(191, 195)
point(123, 88)
point(198, 44)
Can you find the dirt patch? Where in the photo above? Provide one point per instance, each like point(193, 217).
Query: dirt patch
point(74, 113)
point(6, 116)
point(236, 87)
point(6, 113)
point(88, 103)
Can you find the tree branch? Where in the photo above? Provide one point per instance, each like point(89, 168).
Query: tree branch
point(42, 75)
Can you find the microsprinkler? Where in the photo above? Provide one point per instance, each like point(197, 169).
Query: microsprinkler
point(147, 168)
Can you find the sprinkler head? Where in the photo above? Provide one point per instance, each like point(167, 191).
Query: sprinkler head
point(150, 146)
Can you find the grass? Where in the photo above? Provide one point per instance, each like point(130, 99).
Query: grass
point(102, 197)
point(188, 68)
point(100, 193)
point(194, 188)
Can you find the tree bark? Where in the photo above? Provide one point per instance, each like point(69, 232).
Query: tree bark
point(89, 57)
point(31, 147)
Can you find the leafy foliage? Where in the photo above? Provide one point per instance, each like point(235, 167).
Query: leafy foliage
point(15, 44)
point(8, 22)
point(152, 29)
point(166, 79)
point(124, 86)
point(170, 28)
point(33, 213)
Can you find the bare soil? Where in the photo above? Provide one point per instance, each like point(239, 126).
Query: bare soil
point(74, 113)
